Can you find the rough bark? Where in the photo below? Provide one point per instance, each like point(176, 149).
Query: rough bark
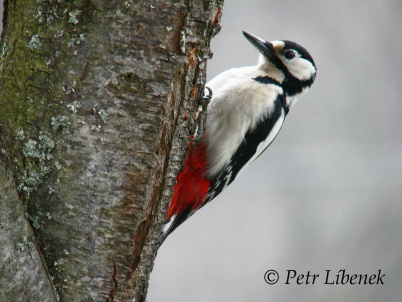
point(96, 107)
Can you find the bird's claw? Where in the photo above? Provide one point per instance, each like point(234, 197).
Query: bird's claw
point(202, 113)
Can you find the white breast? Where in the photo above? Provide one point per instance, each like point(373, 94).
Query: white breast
point(237, 104)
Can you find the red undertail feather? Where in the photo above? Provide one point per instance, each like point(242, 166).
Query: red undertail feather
point(192, 186)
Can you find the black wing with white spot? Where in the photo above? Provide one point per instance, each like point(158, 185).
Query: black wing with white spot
point(254, 143)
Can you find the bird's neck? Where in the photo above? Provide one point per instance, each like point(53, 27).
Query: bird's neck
point(269, 69)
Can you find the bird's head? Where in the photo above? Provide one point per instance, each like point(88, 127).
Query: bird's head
point(289, 58)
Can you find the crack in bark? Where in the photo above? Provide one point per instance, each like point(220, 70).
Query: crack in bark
point(115, 284)
point(49, 276)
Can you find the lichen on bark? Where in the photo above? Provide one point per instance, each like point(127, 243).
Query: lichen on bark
point(96, 109)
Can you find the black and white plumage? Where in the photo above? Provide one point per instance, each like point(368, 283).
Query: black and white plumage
point(247, 110)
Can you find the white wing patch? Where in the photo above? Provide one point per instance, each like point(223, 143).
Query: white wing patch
point(264, 144)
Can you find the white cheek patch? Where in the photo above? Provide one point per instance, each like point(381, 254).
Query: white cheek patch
point(300, 68)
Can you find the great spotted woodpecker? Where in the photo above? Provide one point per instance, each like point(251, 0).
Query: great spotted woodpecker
point(246, 112)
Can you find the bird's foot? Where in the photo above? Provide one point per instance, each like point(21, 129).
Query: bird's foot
point(201, 116)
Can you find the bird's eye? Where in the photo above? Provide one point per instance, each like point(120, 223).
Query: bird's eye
point(289, 54)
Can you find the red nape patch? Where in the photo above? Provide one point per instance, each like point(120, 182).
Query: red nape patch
point(192, 185)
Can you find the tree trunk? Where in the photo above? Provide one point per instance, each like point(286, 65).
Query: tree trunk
point(96, 108)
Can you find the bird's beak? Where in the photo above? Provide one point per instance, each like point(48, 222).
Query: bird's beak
point(264, 47)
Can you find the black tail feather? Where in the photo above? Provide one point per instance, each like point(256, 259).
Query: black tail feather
point(172, 223)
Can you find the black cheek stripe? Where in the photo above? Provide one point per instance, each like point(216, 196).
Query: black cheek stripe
point(267, 80)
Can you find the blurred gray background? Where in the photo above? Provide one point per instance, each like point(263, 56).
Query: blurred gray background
point(326, 195)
